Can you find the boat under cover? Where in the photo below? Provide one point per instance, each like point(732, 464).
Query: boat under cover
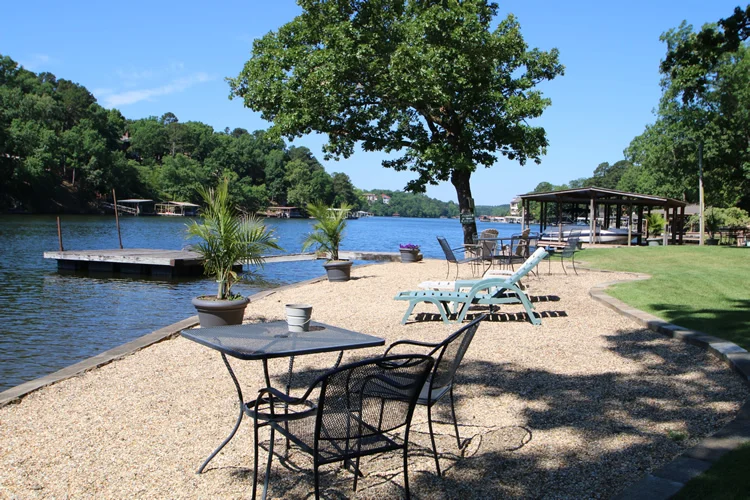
point(610, 235)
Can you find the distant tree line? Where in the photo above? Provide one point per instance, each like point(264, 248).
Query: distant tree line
point(60, 151)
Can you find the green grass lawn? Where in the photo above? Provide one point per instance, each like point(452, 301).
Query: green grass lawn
point(703, 288)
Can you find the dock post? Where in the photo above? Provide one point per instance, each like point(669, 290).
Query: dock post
point(59, 235)
point(117, 218)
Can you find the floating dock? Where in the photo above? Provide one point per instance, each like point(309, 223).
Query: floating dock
point(170, 263)
point(138, 261)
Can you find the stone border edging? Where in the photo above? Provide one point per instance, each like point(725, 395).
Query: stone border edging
point(669, 479)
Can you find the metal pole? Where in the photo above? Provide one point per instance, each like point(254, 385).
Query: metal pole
point(117, 218)
point(592, 221)
point(59, 235)
point(700, 191)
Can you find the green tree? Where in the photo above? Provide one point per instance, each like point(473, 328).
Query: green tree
point(700, 104)
point(427, 79)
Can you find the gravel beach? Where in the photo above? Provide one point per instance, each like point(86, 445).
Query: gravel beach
point(578, 407)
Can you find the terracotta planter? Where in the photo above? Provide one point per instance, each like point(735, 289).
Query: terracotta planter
point(338, 270)
point(220, 312)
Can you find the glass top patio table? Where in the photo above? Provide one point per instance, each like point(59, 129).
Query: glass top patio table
point(264, 341)
point(274, 340)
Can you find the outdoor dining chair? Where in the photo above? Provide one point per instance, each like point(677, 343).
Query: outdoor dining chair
point(472, 256)
point(448, 355)
point(363, 408)
point(566, 252)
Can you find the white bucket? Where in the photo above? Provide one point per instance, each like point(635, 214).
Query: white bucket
point(298, 317)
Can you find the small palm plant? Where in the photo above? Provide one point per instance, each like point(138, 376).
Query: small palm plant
point(329, 230)
point(228, 238)
point(655, 224)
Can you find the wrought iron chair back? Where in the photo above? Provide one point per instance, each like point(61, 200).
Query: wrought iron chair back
point(448, 355)
point(360, 408)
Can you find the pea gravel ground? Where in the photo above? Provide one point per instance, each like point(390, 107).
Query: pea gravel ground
point(578, 407)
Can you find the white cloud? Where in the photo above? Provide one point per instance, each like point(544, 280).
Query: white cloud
point(36, 61)
point(134, 96)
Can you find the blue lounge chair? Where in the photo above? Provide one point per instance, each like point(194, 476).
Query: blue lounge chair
point(489, 291)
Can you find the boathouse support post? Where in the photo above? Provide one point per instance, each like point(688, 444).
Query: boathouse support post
point(630, 222)
point(592, 220)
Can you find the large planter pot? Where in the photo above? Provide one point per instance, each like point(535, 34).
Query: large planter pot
point(712, 241)
point(409, 255)
point(653, 242)
point(220, 312)
point(338, 270)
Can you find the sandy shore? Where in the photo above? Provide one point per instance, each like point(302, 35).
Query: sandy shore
point(578, 407)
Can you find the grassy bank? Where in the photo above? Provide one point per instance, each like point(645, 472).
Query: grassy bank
point(702, 288)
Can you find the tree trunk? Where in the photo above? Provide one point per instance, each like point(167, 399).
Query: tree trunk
point(460, 180)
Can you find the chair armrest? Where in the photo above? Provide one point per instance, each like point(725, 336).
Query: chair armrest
point(409, 342)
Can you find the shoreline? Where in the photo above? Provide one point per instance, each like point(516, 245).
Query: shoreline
point(508, 407)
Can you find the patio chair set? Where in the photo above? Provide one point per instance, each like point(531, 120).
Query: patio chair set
point(363, 408)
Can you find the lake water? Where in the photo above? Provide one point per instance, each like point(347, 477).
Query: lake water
point(49, 319)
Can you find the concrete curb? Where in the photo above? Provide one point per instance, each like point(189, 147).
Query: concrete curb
point(669, 479)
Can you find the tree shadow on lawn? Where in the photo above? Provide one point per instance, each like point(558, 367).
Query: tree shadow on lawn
point(731, 323)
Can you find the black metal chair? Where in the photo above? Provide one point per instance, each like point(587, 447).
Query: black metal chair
point(361, 410)
point(567, 252)
point(448, 355)
point(472, 255)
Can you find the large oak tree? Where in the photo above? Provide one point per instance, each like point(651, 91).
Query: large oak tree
point(427, 79)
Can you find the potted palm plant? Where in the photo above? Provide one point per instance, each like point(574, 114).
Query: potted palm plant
point(326, 237)
point(655, 227)
point(227, 240)
point(713, 224)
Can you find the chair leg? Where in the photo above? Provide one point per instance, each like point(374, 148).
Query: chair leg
point(316, 480)
point(455, 422)
point(406, 471)
point(408, 312)
point(432, 438)
point(574, 264)
point(562, 263)
point(255, 457)
point(268, 465)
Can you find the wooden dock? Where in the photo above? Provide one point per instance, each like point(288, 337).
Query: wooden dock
point(170, 263)
point(137, 261)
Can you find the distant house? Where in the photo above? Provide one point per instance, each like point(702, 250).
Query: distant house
point(371, 197)
point(514, 210)
point(386, 198)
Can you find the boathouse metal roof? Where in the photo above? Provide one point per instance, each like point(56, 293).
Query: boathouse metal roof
point(604, 196)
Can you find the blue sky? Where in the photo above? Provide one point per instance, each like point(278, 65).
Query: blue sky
point(147, 58)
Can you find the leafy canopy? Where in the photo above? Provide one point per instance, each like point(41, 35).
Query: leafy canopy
point(227, 238)
point(426, 78)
